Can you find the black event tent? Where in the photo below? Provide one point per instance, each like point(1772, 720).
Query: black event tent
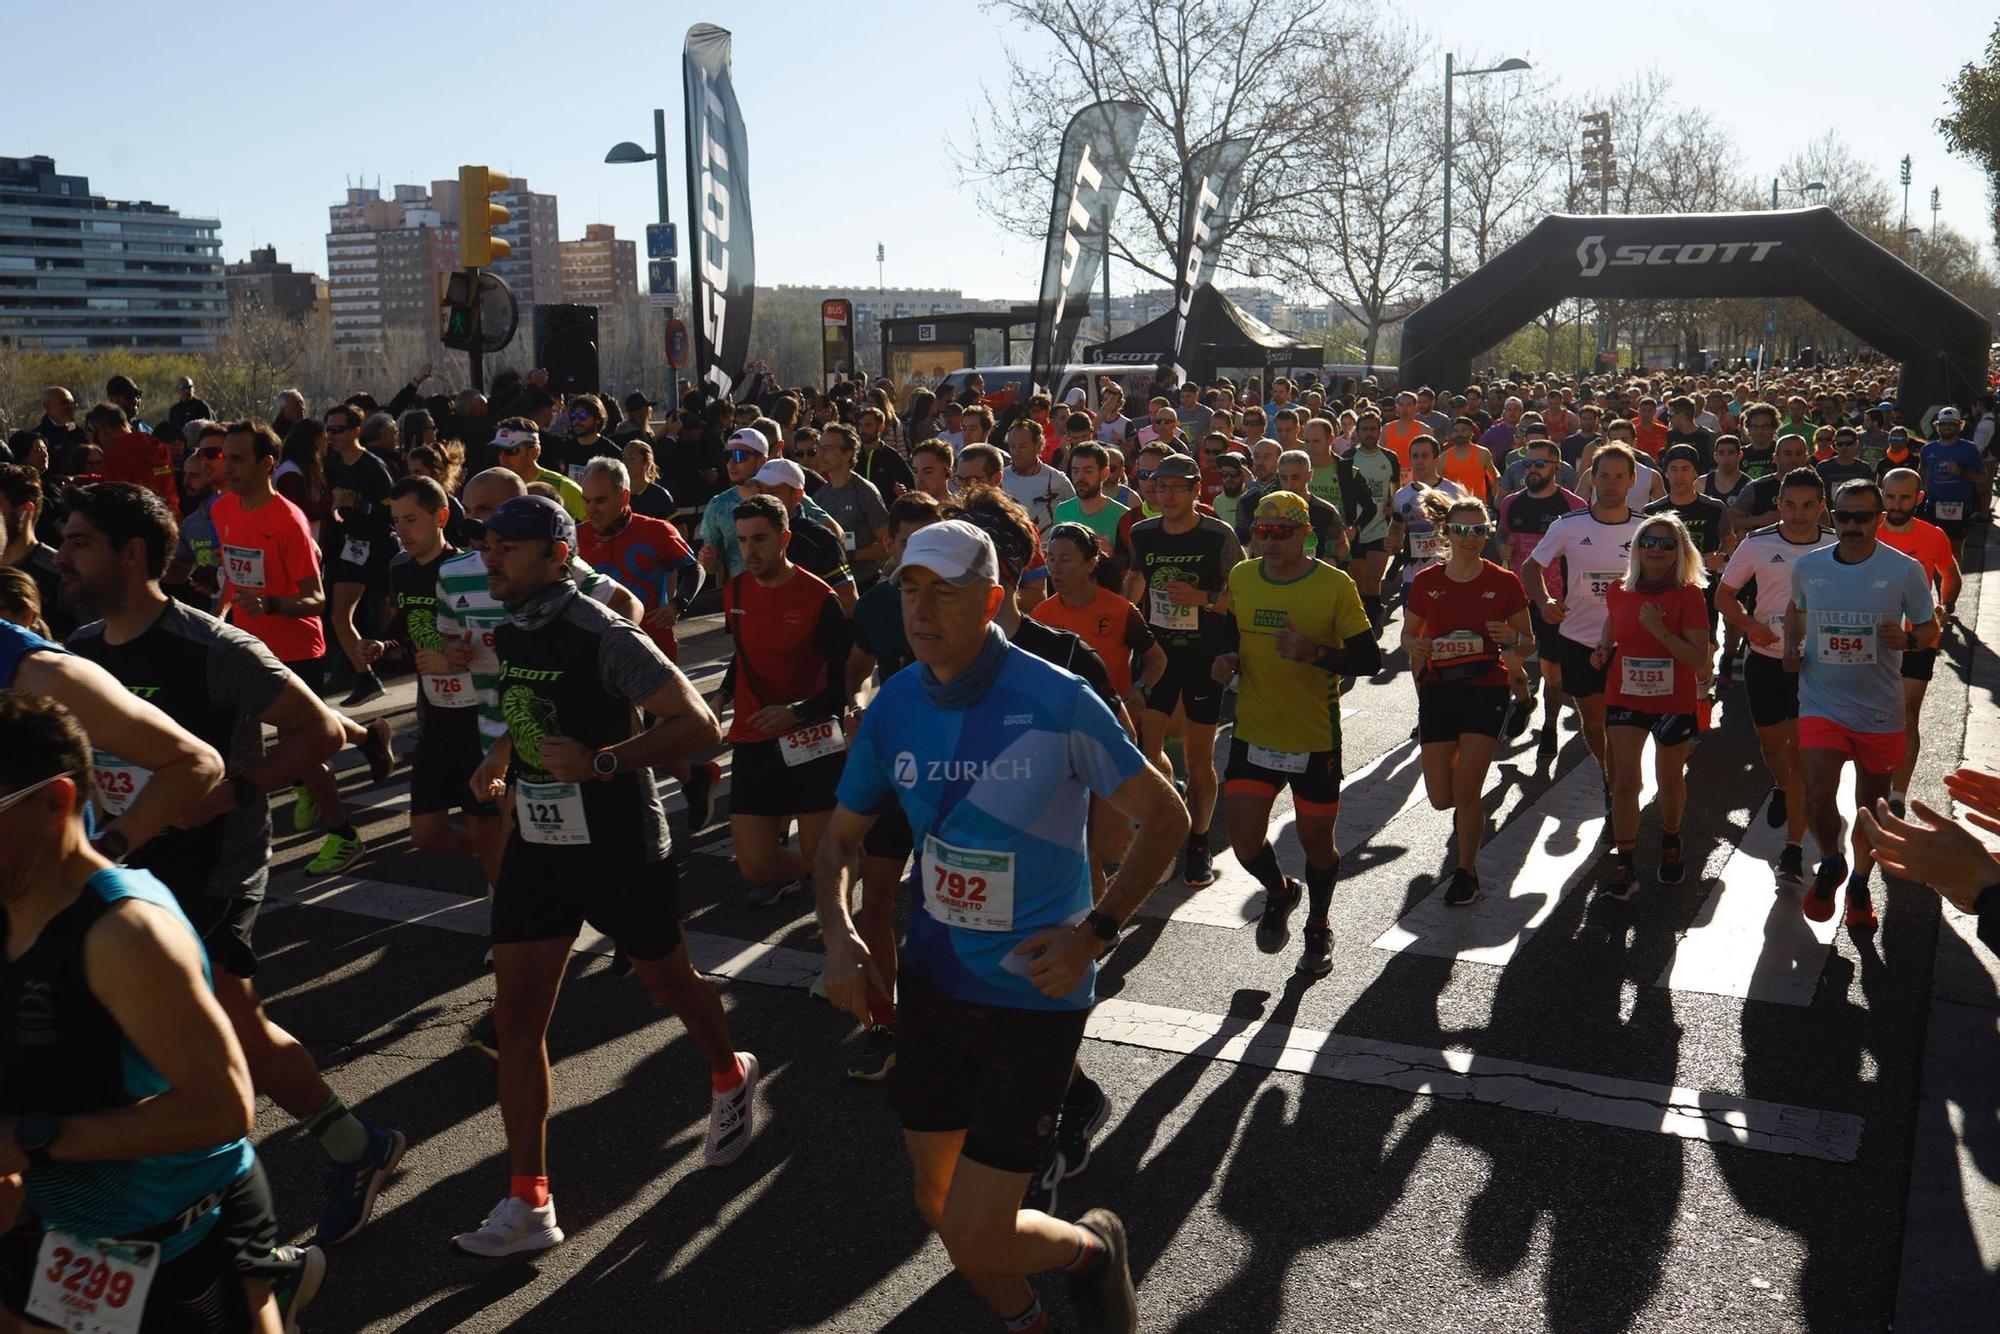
point(1220, 335)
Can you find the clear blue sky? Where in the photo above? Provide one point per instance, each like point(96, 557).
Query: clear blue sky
point(261, 114)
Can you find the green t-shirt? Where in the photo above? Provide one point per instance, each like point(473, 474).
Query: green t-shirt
point(1104, 523)
point(571, 493)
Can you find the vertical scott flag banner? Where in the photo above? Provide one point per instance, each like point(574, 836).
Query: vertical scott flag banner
point(1208, 196)
point(1090, 176)
point(718, 169)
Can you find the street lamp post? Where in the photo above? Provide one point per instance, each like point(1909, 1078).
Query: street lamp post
point(1810, 190)
point(1511, 65)
point(628, 152)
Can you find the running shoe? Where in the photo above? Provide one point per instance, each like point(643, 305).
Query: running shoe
point(1520, 714)
point(368, 686)
point(1197, 869)
point(305, 1270)
point(1775, 813)
point(1860, 908)
point(1041, 1193)
point(1898, 803)
point(379, 750)
point(700, 793)
point(1274, 927)
point(1084, 1113)
point(514, 1227)
point(1317, 958)
point(1792, 866)
point(335, 854)
point(1818, 901)
point(1102, 1295)
point(732, 1117)
point(1545, 748)
point(765, 896)
point(1463, 891)
point(877, 1056)
point(1673, 866)
point(1622, 883)
point(305, 811)
point(351, 1188)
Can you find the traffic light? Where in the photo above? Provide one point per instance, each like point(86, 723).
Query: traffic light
point(478, 215)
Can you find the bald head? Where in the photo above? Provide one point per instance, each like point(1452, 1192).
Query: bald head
point(491, 489)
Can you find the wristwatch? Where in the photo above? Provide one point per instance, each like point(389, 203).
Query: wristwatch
point(605, 762)
point(33, 1134)
point(1105, 925)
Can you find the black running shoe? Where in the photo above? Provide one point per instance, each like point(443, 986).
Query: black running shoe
point(1274, 927)
point(1084, 1113)
point(1775, 813)
point(1197, 868)
point(1545, 747)
point(1463, 891)
point(700, 792)
point(1317, 958)
point(1792, 866)
point(1102, 1295)
point(1041, 1193)
point(380, 750)
point(368, 686)
point(1672, 865)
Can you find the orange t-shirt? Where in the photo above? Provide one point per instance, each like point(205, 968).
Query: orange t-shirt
point(1397, 435)
point(1651, 439)
point(1108, 623)
point(269, 551)
point(1924, 543)
point(1468, 472)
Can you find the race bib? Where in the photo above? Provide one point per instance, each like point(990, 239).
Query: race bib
point(453, 691)
point(967, 887)
point(1595, 583)
point(484, 660)
point(1171, 615)
point(1647, 678)
point(118, 783)
point(1428, 546)
point(551, 813)
point(1951, 511)
point(244, 567)
point(1280, 761)
point(354, 551)
point(1847, 645)
point(847, 540)
point(1458, 644)
point(92, 1287)
point(576, 473)
point(802, 745)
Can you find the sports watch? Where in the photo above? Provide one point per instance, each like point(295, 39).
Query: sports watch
point(1105, 925)
point(605, 762)
point(33, 1134)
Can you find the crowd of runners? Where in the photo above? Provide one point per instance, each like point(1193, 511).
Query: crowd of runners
point(980, 657)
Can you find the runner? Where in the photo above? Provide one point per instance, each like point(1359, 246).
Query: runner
point(1595, 546)
point(1655, 649)
point(1179, 578)
point(854, 503)
point(1089, 466)
point(1411, 529)
point(1767, 556)
point(1845, 637)
point(1705, 518)
point(1525, 517)
point(358, 537)
point(517, 441)
point(587, 821)
point(1926, 544)
point(1381, 471)
point(1295, 626)
point(792, 641)
point(1112, 626)
point(21, 548)
point(1334, 483)
point(1462, 621)
point(271, 589)
point(1470, 463)
point(1954, 478)
point(1725, 481)
point(223, 686)
point(132, 1127)
point(996, 987)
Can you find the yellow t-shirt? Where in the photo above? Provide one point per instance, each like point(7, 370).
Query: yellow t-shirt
point(1282, 704)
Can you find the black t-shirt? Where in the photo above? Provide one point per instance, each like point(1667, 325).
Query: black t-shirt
point(368, 521)
point(1705, 518)
point(655, 502)
point(1701, 438)
point(1759, 460)
point(1574, 445)
point(1203, 556)
point(888, 470)
point(817, 551)
point(1067, 650)
point(1709, 487)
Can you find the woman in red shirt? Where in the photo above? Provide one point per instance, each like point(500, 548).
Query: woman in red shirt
point(1459, 620)
point(1096, 614)
point(1656, 646)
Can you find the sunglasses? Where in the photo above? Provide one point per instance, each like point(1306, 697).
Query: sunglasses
point(797, 453)
point(1855, 516)
point(742, 455)
point(1468, 529)
point(1143, 474)
point(210, 451)
point(513, 448)
point(1273, 532)
point(1659, 541)
point(14, 798)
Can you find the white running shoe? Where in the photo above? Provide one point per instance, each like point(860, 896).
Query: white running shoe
point(514, 1227)
point(732, 1118)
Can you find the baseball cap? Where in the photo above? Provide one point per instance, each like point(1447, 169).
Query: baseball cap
point(1886, 405)
point(782, 472)
point(636, 400)
point(953, 550)
point(749, 438)
point(185, 382)
point(528, 519)
point(1949, 415)
point(1233, 459)
point(1074, 397)
point(508, 438)
point(1285, 506)
point(1178, 465)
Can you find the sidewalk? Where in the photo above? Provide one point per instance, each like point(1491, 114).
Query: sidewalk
point(1951, 1240)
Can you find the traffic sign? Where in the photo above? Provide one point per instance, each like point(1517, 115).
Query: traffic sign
point(662, 240)
point(663, 277)
point(677, 344)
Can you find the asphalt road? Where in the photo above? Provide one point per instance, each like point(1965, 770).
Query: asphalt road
point(1507, 1124)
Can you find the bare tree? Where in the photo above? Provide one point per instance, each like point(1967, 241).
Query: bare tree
point(1203, 69)
point(1508, 143)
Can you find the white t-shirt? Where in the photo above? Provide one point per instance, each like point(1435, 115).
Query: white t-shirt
point(1594, 554)
point(1647, 487)
point(1768, 556)
point(1039, 494)
point(1420, 536)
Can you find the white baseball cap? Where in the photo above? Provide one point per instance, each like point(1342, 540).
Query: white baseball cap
point(954, 551)
point(782, 472)
point(1948, 415)
point(1074, 397)
point(749, 438)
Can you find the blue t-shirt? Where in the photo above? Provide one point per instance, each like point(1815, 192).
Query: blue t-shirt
point(995, 795)
point(1940, 485)
point(16, 644)
point(1847, 676)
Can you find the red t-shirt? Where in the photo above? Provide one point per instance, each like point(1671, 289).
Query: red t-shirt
point(1458, 612)
point(1924, 543)
point(1109, 624)
point(268, 551)
point(1641, 674)
point(778, 660)
point(1651, 439)
point(645, 556)
point(142, 460)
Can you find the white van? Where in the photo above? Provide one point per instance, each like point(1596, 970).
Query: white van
point(1087, 377)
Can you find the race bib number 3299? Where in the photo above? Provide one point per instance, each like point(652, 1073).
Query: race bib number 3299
point(92, 1287)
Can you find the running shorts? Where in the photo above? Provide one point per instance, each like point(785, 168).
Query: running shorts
point(1447, 712)
point(1668, 729)
point(1190, 682)
point(1872, 752)
point(1313, 776)
point(548, 893)
point(1773, 691)
point(1919, 663)
point(761, 783)
point(1580, 679)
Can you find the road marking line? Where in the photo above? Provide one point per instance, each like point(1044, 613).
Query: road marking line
point(1534, 863)
point(1628, 1104)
